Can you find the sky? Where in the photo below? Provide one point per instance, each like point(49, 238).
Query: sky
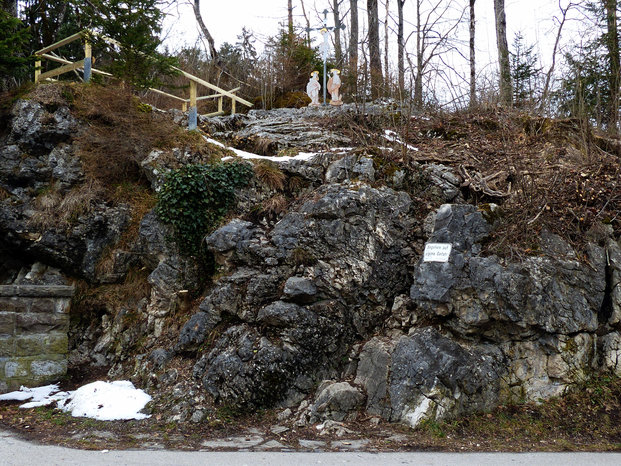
point(533, 18)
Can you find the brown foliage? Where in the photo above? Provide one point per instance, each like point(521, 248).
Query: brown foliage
point(269, 174)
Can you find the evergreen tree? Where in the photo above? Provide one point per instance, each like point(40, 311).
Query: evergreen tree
point(590, 87)
point(524, 71)
point(583, 91)
point(14, 55)
point(51, 21)
point(135, 25)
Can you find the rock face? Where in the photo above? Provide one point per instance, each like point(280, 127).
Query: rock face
point(426, 375)
point(322, 277)
point(543, 313)
point(324, 307)
point(41, 177)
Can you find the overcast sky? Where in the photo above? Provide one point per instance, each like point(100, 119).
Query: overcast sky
point(225, 19)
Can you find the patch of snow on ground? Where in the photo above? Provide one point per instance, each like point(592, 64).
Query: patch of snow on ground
point(249, 155)
point(393, 137)
point(36, 394)
point(105, 401)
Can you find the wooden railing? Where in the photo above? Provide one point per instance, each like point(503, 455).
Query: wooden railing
point(86, 66)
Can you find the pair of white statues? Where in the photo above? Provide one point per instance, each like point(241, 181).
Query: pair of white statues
point(334, 84)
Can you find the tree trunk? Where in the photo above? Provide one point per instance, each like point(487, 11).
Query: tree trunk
point(308, 37)
point(612, 44)
point(353, 38)
point(386, 44)
point(503, 53)
point(10, 6)
point(375, 57)
point(338, 51)
point(546, 87)
point(473, 92)
point(418, 81)
point(400, 47)
point(290, 17)
point(199, 19)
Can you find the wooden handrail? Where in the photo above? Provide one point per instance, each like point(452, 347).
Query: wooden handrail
point(157, 91)
point(68, 62)
point(213, 87)
point(62, 70)
point(86, 64)
point(213, 96)
point(60, 43)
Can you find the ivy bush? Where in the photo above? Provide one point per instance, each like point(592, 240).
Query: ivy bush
point(195, 197)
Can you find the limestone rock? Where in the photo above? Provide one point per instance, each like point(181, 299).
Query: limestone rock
point(337, 401)
point(343, 259)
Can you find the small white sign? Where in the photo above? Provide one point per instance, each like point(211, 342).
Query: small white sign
point(437, 252)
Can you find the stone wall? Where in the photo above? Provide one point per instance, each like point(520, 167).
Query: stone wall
point(34, 320)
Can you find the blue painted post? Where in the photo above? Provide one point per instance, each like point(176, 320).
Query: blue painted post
point(88, 61)
point(193, 114)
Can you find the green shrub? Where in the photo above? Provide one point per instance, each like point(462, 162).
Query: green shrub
point(194, 199)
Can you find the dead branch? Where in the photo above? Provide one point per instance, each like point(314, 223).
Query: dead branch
point(479, 183)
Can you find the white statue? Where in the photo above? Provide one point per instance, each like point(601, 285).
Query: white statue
point(324, 47)
point(312, 89)
point(334, 86)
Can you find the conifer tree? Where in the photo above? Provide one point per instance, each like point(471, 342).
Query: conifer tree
point(14, 55)
point(135, 25)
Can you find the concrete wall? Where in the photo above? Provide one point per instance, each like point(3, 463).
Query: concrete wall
point(34, 320)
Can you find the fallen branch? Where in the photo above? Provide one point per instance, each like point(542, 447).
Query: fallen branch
point(479, 183)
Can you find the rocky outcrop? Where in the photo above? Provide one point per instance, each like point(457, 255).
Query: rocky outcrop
point(425, 375)
point(543, 312)
point(269, 132)
point(324, 307)
point(302, 292)
point(45, 214)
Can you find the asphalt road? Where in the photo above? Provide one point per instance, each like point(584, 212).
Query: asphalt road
point(14, 451)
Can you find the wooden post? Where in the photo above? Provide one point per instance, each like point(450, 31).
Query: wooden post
point(184, 107)
point(88, 61)
point(220, 104)
point(233, 102)
point(37, 71)
point(193, 115)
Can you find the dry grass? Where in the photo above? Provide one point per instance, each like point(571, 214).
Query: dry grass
point(275, 205)
point(269, 174)
point(53, 210)
point(558, 176)
point(588, 416)
point(122, 131)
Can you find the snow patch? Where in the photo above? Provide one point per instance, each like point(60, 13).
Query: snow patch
point(394, 137)
point(249, 155)
point(36, 394)
point(104, 401)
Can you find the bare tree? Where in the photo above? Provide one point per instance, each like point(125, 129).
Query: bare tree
point(199, 19)
point(308, 37)
point(612, 46)
point(338, 51)
point(473, 91)
point(433, 31)
point(400, 46)
point(506, 90)
point(546, 87)
point(375, 58)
